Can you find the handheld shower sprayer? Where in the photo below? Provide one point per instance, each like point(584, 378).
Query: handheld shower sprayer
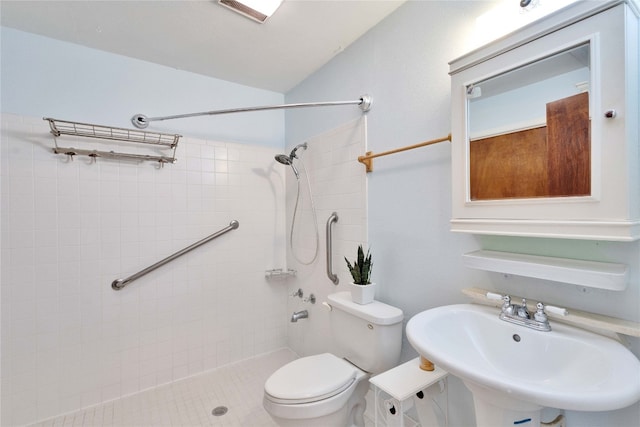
point(288, 160)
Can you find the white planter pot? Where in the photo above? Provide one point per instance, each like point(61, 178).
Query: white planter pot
point(363, 294)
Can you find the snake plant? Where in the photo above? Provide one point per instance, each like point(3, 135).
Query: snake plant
point(361, 268)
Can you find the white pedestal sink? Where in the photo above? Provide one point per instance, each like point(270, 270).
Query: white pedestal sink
point(514, 372)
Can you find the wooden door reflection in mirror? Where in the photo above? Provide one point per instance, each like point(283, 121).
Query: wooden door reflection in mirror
point(529, 130)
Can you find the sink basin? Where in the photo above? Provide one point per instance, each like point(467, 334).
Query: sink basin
point(566, 368)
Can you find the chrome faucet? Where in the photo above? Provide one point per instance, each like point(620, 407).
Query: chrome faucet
point(522, 311)
point(299, 315)
point(519, 314)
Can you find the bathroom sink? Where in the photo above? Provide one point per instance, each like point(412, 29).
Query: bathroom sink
point(566, 368)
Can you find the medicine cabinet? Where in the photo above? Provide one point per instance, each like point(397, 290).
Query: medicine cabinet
point(545, 128)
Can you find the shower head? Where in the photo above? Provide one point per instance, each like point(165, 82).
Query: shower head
point(287, 160)
point(284, 159)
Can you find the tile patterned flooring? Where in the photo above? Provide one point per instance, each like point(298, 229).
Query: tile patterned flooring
point(190, 402)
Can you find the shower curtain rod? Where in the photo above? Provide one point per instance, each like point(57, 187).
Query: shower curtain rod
point(141, 121)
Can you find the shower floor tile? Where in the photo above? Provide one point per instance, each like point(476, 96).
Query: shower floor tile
point(190, 402)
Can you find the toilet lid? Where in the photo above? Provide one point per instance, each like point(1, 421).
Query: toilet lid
point(310, 379)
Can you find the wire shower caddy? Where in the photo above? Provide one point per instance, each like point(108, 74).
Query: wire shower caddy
point(159, 141)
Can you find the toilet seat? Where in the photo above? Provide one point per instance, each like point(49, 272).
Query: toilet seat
point(310, 379)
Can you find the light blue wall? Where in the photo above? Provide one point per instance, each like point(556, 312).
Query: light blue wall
point(45, 77)
point(403, 64)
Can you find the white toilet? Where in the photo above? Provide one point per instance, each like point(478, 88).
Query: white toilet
point(327, 390)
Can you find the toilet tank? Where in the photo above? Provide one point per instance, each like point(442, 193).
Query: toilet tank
point(369, 336)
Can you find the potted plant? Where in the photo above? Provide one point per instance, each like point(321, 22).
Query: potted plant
point(362, 290)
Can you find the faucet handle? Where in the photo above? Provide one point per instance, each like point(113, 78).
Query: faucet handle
point(540, 315)
point(507, 308)
point(506, 301)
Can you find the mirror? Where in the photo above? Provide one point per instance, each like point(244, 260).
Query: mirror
point(529, 129)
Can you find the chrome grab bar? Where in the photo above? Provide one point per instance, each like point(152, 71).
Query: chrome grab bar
point(333, 277)
point(118, 284)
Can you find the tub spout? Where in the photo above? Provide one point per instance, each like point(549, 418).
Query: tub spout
point(299, 315)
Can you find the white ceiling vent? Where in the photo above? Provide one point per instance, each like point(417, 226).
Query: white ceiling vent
point(258, 10)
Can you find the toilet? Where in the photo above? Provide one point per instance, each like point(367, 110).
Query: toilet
point(327, 390)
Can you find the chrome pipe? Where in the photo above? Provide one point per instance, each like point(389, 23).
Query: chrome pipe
point(141, 121)
point(118, 284)
point(333, 277)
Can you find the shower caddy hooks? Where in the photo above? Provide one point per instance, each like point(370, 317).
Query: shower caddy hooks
point(86, 130)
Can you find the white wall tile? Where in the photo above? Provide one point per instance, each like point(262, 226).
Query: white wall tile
point(68, 339)
point(335, 188)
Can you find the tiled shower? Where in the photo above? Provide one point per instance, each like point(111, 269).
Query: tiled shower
point(73, 225)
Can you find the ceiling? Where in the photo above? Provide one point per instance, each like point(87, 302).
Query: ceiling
point(204, 37)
